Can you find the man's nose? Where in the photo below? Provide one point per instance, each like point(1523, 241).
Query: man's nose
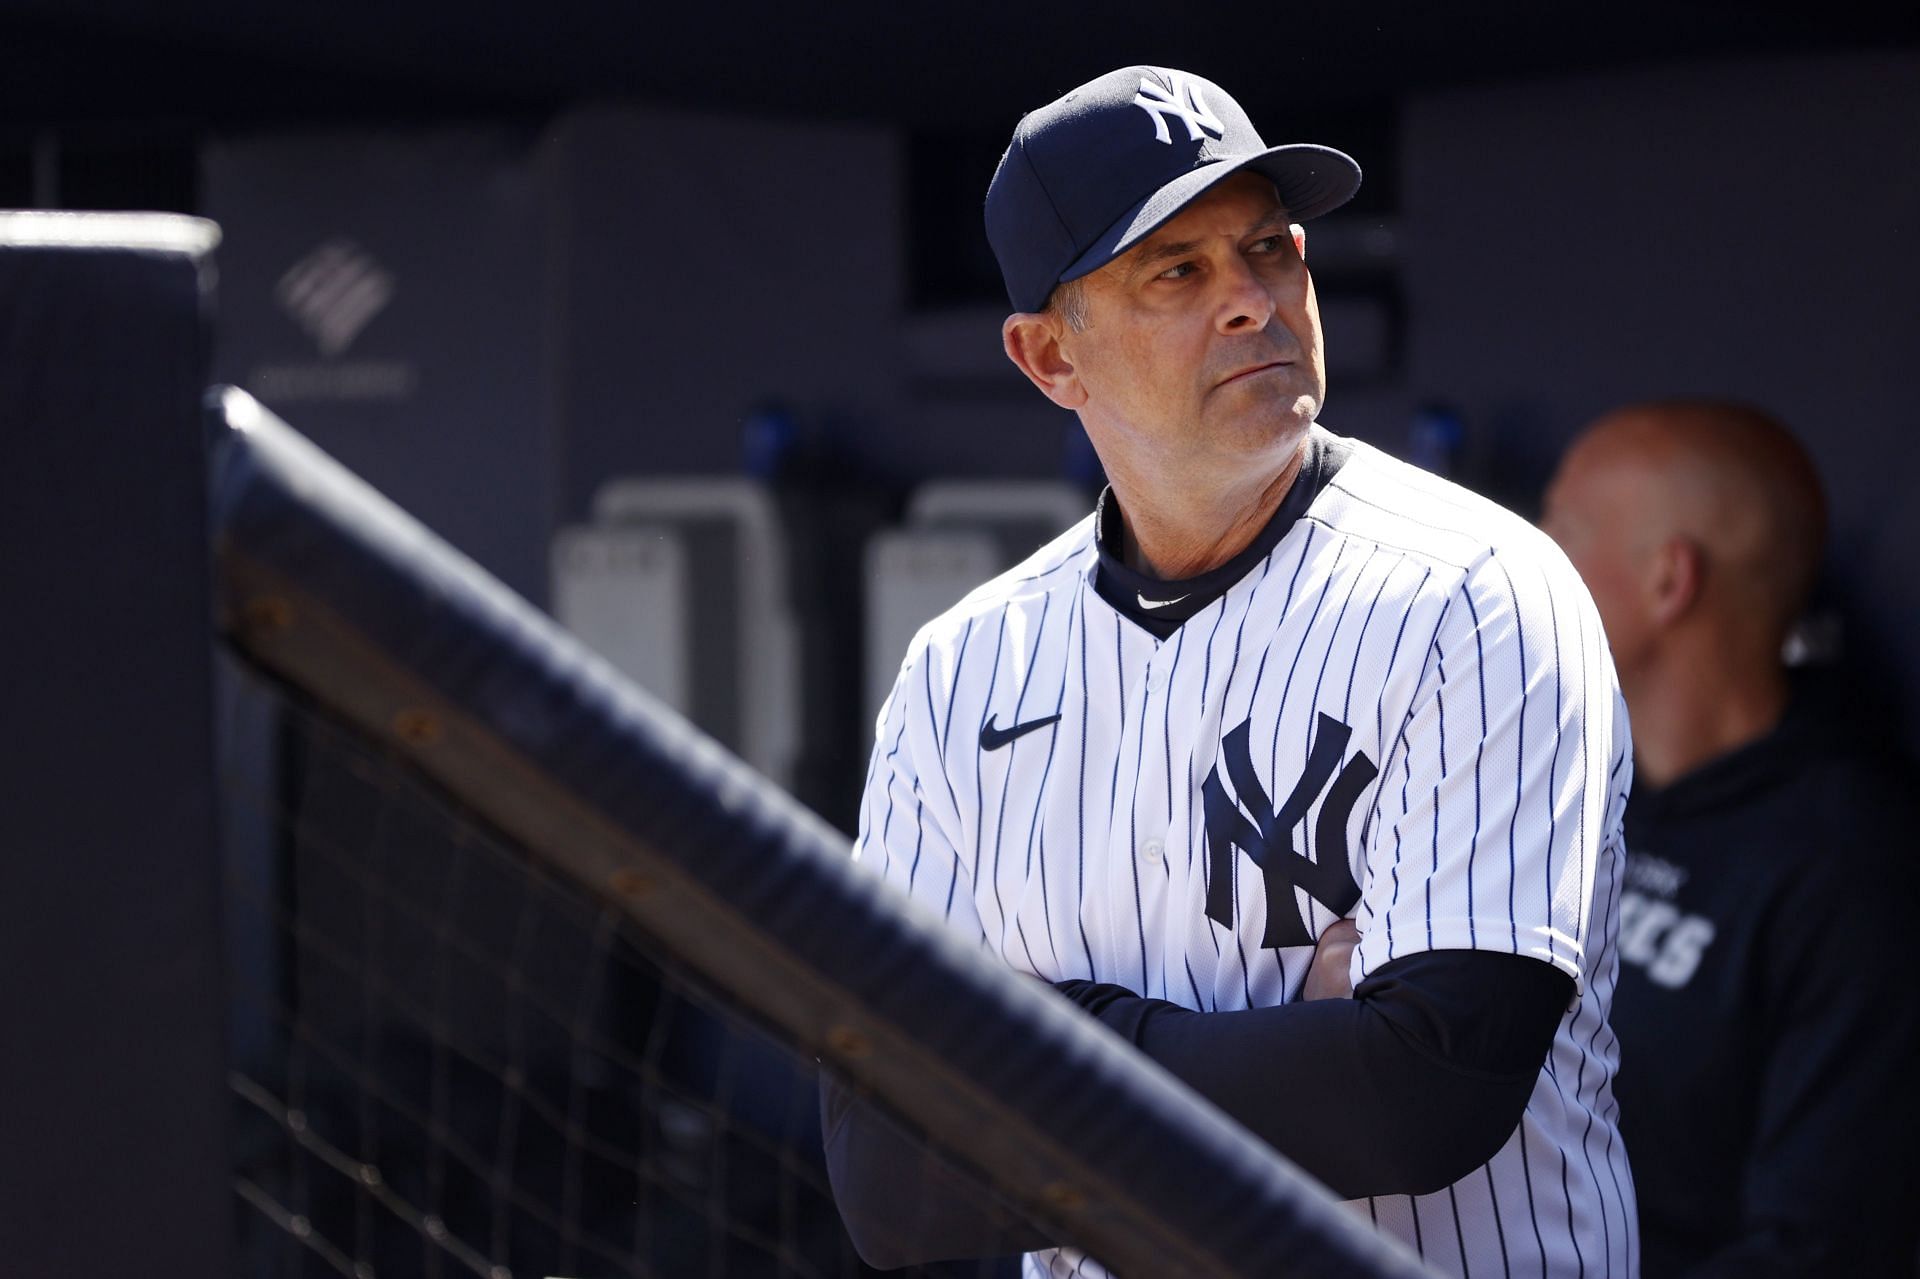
point(1246, 304)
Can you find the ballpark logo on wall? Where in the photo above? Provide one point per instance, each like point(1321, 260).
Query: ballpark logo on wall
point(333, 294)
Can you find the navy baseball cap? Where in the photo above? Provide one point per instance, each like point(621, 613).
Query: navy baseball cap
point(1089, 176)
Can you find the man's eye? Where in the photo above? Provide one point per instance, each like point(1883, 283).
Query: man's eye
point(1178, 272)
point(1270, 244)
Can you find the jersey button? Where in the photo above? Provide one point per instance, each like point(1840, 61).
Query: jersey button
point(1153, 850)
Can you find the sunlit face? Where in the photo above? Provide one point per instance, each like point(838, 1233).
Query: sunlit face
point(1202, 344)
point(1593, 510)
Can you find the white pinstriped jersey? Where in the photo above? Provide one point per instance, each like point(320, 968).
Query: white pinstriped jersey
point(1412, 688)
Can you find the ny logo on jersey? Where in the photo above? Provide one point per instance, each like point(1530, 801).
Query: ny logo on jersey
point(1268, 838)
point(1183, 103)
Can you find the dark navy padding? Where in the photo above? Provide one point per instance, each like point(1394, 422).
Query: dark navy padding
point(114, 1109)
point(1210, 1196)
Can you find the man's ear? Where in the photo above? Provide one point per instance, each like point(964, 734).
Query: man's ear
point(1679, 576)
point(1299, 239)
point(1032, 342)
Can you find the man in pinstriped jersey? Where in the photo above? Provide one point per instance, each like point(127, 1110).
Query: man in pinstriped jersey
point(1278, 697)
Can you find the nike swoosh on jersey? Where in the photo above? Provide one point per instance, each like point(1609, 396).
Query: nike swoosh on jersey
point(992, 738)
point(1147, 603)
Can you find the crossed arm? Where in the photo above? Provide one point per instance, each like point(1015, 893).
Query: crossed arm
point(1405, 1087)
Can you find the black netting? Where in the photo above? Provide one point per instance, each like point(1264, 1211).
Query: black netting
point(451, 1060)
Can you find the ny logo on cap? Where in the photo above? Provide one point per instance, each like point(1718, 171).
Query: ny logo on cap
point(1184, 103)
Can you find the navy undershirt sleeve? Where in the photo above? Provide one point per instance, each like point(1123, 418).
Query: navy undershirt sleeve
point(904, 1206)
point(1405, 1088)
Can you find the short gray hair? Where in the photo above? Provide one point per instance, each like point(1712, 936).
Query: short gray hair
point(1068, 301)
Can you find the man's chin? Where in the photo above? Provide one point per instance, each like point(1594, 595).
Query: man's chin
point(1280, 390)
point(1276, 424)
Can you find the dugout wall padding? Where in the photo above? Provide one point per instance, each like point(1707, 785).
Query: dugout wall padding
point(390, 290)
point(112, 1097)
point(704, 266)
point(488, 324)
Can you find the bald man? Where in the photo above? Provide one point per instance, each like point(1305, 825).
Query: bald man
point(1766, 1017)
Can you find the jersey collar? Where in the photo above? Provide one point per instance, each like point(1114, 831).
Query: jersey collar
point(1160, 606)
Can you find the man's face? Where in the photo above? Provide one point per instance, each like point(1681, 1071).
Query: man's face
point(1594, 509)
point(1203, 343)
